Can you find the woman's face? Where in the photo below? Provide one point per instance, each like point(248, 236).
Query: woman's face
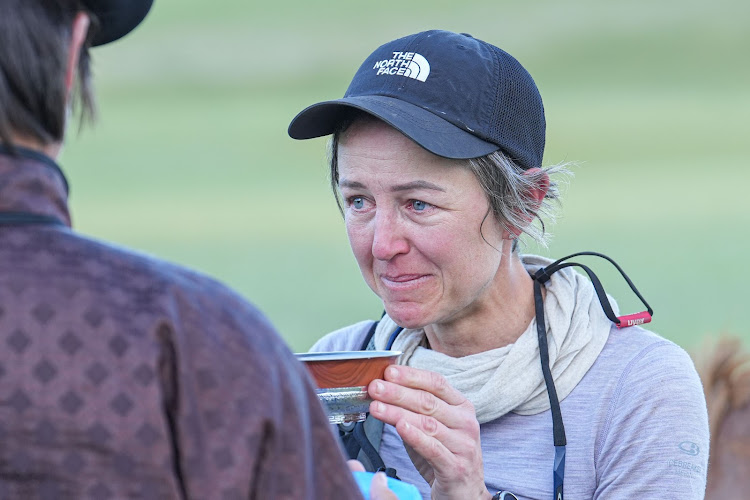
point(413, 221)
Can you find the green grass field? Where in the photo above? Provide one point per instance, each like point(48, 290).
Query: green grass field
point(190, 160)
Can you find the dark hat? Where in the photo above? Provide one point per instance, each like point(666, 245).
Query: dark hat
point(116, 18)
point(455, 95)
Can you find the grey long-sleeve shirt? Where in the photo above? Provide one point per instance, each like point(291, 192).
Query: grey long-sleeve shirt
point(636, 425)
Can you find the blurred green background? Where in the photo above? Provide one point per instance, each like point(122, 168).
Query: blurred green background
point(190, 160)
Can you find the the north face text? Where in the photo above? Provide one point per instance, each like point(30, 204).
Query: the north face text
point(408, 64)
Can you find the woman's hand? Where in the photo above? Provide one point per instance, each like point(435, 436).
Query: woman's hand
point(439, 428)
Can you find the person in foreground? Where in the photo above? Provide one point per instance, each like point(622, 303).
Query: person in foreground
point(122, 376)
point(515, 378)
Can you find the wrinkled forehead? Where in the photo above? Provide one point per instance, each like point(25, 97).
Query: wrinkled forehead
point(363, 130)
point(371, 151)
point(367, 136)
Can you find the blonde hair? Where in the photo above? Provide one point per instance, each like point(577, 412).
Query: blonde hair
point(509, 190)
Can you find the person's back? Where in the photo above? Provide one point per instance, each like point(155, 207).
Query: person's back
point(123, 376)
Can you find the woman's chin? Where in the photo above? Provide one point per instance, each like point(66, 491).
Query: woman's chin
point(408, 318)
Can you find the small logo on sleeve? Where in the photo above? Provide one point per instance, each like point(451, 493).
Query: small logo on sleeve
point(408, 64)
point(689, 448)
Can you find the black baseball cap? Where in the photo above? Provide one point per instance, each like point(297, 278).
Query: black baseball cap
point(453, 94)
point(116, 18)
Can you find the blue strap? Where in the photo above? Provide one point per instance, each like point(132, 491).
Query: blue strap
point(559, 471)
point(391, 340)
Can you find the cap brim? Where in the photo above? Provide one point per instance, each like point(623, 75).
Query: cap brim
point(116, 18)
point(433, 133)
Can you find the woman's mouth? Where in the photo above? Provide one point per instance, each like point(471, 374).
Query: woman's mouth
point(403, 281)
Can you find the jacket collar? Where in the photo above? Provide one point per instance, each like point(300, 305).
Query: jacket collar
point(32, 182)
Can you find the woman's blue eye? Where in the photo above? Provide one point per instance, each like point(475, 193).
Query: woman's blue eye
point(418, 205)
point(358, 203)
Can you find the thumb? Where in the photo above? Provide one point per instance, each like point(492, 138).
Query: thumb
point(355, 466)
point(379, 488)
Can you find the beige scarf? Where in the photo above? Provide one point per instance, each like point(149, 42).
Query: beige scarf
point(509, 379)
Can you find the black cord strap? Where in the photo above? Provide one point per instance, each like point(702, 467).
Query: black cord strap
point(540, 277)
point(558, 428)
point(544, 274)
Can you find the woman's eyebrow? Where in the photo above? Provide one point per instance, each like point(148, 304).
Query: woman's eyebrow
point(417, 185)
point(398, 187)
point(351, 184)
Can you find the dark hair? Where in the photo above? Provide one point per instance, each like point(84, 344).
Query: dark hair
point(505, 184)
point(333, 149)
point(34, 40)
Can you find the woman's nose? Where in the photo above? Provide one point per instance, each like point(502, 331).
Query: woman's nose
point(388, 239)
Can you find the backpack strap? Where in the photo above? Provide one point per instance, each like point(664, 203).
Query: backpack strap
point(361, 440)
point(369, 434)
point(368, 344)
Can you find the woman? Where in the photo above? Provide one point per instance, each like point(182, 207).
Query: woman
point(437, 155)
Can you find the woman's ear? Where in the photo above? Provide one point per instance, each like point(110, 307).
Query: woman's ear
point(536, 193)
point(539, 191)
point(77, 38)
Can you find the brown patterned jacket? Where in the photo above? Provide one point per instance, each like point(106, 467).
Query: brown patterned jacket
point(123, 376)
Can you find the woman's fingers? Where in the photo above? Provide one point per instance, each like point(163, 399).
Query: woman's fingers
point(425, 380)
point(414, 400)
point(454, 428)
point(438, 426)
point(425, 432)
point(433, 450)
point(424, 394)
point(451, 473)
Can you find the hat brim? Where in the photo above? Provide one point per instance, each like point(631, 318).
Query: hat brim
point(116, 18)
point(433, 133)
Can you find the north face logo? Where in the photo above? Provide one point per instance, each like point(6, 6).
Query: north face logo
point(409, 64)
